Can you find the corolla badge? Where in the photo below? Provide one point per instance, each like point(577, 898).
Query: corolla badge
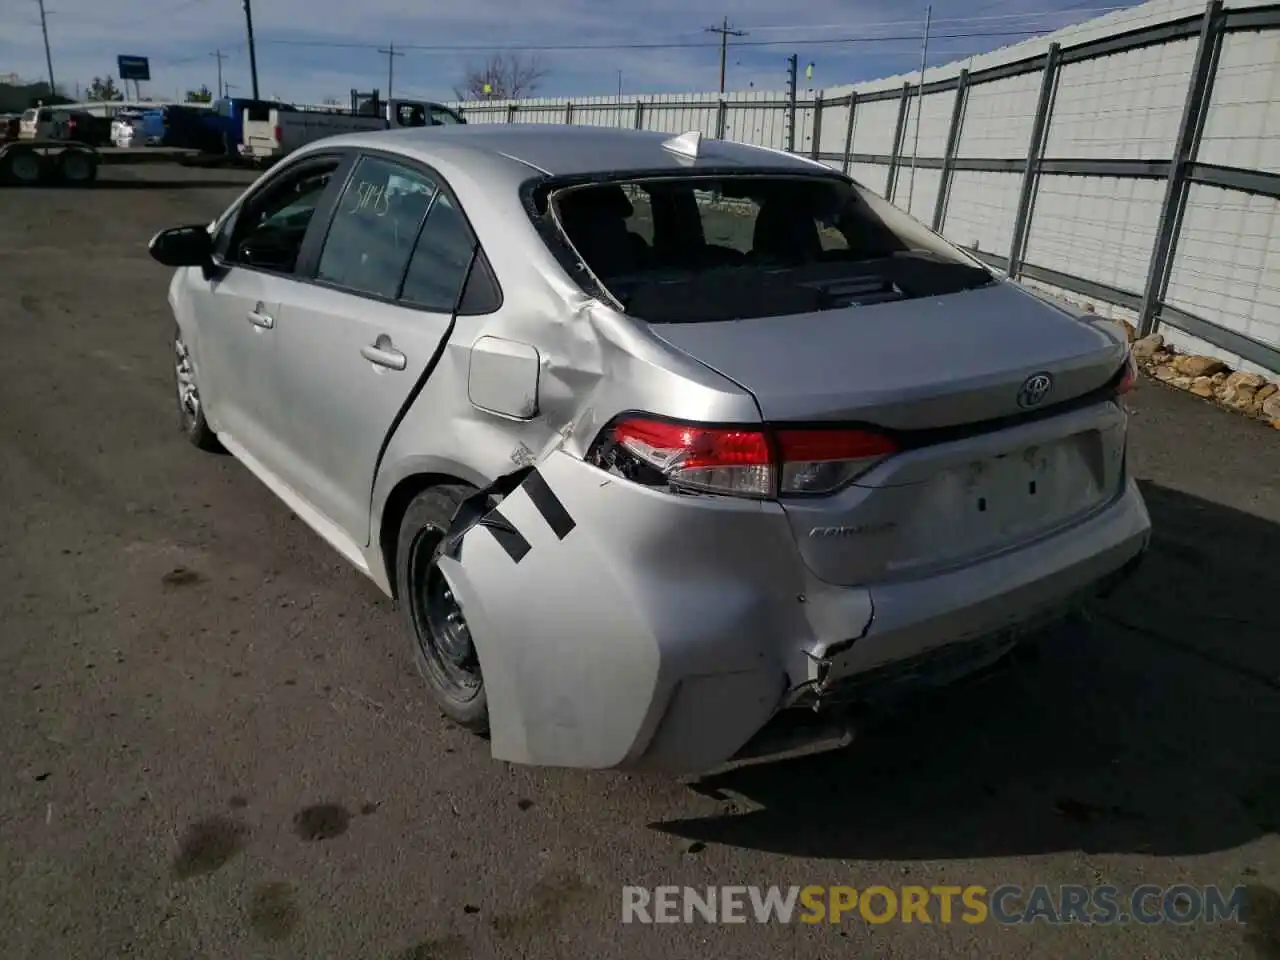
point(1034, 390)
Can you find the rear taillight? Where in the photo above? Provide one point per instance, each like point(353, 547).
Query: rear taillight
point(277, 134)
point(748, 461)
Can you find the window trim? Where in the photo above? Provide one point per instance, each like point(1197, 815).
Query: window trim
point(478, 253)
point(271, 182)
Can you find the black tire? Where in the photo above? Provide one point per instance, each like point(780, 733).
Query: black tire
point(76, 168)
point(442, 649)
point(22, 167)
point(191, 419)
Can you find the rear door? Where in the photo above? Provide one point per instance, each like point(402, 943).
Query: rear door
point(355, 342)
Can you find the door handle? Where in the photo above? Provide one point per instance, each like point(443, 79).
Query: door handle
point(260, 319)
point(384, 354)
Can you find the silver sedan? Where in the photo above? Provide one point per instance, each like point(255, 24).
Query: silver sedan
point(668, 448)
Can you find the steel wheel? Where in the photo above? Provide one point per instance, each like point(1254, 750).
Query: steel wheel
point(448, 652)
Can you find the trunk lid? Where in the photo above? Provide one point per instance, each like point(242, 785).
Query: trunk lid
point(948, 375)
point(907, 365)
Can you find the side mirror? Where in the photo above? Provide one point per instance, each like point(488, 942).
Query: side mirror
point(182, 247)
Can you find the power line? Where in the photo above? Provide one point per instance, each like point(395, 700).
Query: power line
point(937, 20)
point(558, 47)
point(725, 34)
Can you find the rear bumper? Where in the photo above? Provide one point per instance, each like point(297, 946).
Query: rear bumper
point(677, 634)
point(944, 629)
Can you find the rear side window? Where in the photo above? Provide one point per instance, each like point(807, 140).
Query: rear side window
point(374, 227)
point(440, 260)
point(698, 248)
point(442, 116)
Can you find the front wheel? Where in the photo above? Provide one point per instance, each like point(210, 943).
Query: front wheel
point(442, 645)
point(191, 419)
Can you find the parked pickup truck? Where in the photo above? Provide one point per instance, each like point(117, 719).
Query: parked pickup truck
point(226, 119)
point(270, 134)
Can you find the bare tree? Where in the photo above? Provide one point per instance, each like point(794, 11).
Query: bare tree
point(504, 76)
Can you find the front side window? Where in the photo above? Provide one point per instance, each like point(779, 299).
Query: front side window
point(708, 248)
point(269, 231)
point(374, 228)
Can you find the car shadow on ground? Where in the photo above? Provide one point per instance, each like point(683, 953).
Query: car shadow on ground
point(1151, 730)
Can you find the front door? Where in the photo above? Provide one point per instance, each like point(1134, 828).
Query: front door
point(236, 311)
point(354, 343)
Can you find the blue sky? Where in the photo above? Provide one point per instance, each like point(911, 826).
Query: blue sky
point(312, 49)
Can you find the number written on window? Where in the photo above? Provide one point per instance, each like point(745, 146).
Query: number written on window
point(373, 230)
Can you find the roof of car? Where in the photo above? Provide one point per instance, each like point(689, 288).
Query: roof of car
point(561, 150)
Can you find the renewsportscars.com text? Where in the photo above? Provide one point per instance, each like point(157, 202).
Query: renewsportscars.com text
point(973, 904)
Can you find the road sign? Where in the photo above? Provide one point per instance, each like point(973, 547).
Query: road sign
point(134, 68)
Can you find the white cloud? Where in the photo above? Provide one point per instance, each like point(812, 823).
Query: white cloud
point(317, 48)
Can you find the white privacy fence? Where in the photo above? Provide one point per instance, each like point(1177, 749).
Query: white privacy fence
point(1133, 160)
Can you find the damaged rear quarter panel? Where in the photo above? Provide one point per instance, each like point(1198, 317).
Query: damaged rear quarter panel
point(593, 364)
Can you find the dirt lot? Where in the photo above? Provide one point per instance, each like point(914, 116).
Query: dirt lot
point(216, 746)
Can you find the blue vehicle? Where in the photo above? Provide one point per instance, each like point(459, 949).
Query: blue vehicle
point(150, 127)
point(226, 120)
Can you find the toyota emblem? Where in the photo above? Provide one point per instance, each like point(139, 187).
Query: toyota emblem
point(1035, 389)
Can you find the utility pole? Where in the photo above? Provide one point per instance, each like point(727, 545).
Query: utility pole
point(392, 53)
point(48, 57)
point(725, 34)
point(219, 56)
point(924, 56)
point(253, 56)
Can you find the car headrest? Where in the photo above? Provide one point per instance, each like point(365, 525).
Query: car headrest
point(607, 200)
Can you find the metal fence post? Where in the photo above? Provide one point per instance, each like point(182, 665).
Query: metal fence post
point(898, 133)
point(568, 113)
point(639, 114)
point(949, 156)
point(1035, 153)
point(722, 111)
point(1190, 129)
point(791, 120)
point(511, 112)
point(848, 134)
point(815, 146)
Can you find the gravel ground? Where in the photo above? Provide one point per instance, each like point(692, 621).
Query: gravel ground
point(216, 745)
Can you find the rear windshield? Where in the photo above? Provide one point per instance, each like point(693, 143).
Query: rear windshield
point(699, 249)
point(259, 110)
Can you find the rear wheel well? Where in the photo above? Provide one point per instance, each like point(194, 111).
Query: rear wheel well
point(393, 512)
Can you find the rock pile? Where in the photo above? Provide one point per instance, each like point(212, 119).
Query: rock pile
point(1248, 393)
